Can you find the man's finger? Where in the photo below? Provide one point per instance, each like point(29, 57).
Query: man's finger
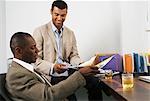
point(62, 64)
point(95, 71)
point(94, 67)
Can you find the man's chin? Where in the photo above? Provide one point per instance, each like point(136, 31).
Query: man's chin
point(33, 61)
point(59, 25)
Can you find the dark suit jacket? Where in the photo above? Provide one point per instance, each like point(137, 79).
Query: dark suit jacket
point(24, 85)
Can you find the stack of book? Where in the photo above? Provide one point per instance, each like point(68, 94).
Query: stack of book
point(131, 63)
point(136, 63)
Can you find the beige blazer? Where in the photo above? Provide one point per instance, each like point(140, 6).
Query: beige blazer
point(24, 85)
point(47, 47)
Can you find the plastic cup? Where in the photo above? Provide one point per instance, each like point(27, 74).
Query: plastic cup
point(127, 80)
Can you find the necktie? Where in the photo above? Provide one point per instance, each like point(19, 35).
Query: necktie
point(42, 77)
point(59, 31)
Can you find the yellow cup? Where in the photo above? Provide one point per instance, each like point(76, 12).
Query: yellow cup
point(127, 81)
point(108, 74)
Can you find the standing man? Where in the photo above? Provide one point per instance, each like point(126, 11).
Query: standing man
point(23, 83)
point(57, 44)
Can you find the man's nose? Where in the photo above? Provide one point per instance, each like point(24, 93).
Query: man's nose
point(37, 50)
point(59, 17)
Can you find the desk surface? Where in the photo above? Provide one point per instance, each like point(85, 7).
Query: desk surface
point(140, 91)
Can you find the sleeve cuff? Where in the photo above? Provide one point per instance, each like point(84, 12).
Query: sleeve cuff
point(52, 69)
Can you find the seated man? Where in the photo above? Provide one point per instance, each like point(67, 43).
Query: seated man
point(25, 84)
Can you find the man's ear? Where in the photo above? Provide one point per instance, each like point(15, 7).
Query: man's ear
point(18, 50)
point(51, 11)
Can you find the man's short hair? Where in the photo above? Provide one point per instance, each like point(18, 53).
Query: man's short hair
point(60, 4)
point(19, 39)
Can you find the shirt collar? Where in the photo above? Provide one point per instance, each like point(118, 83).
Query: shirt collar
point(24, 64)
point(55, 29)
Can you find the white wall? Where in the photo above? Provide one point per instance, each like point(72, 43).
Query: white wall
point(99, 26)
point(3, 60)
point(24, 16)
point(133, 31)
point(148, 24)
point(96, 24)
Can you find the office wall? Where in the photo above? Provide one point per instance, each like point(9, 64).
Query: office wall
point(99, 26)
point(3, 60)
point(148, 25)
point(96, 23)
point(134, 37)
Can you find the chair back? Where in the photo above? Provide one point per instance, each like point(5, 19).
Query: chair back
point(3, 92)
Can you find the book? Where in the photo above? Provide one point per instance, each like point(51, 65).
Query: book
point(142, 64)
point(145, 65)
point(148, 59)
point(128, 63)
point(137, 63)
point(99, 65)
point(144, 78)
point(89, 62)
point(115, 64)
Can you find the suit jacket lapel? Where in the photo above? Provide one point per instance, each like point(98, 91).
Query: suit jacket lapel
point(15, 64)
point(64, 38)
point(40, 77)
point(51, 34)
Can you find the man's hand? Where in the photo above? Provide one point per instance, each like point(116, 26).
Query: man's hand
point(96, 61)
point(59, 68)
point(89, 70)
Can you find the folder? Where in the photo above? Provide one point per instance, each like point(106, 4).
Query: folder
point(137, 62)
point(128, 65)
point(115, 64)
point(144, 78)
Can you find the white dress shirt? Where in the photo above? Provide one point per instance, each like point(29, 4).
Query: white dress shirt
point(58, 39)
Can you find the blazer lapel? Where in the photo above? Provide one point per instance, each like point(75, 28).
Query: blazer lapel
point(51, 34)
point(23, 69)
point(64, 38)
point(41, 77)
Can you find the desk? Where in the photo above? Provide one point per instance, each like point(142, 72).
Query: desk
point(140, 91)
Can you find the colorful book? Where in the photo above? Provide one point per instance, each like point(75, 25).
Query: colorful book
point(137, 62)
point(128, 65)
point(147, 59)
point(145, 65)
point(115, 64)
